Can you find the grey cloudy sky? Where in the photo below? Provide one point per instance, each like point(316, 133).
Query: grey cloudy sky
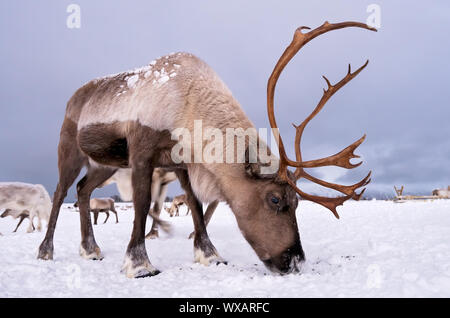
point(401, 100)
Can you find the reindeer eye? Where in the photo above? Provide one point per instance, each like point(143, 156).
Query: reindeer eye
point(275, 200)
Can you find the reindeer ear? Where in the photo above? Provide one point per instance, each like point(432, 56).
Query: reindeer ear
point(255, 168)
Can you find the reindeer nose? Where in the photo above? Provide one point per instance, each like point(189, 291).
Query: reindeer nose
point(289, 261)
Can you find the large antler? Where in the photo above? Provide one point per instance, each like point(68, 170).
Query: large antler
point(341, 159)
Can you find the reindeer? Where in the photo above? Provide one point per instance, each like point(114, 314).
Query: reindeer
point(177, 201)
point(132, 120)
point(104, 205)
point(442, 193)
point(25, 200)
point(15, 215)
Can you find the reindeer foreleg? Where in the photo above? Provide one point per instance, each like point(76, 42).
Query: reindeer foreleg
point(204, 251)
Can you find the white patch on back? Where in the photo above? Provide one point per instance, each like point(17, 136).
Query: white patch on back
point(154, 95)
point(132, 80)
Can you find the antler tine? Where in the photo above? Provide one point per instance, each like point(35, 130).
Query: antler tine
point(348, 190)
point(299, 40)
point(341, 159)
point(329, 203)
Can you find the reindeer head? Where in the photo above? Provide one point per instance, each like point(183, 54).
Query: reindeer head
point(5, 213)
point(268, 219)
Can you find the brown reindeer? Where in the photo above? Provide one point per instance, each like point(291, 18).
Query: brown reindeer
point(177, 202)
point(132, 120)
point(101, 205)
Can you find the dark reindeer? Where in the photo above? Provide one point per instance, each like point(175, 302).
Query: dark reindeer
point(107, 127)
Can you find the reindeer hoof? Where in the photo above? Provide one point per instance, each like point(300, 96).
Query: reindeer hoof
point(45, 251)
point(152, 235)
point(191, 235)
point(145, 273)
point(45, 255)
point(202, 258)
point(222, 261)
point(95, 255)
point(138, 271)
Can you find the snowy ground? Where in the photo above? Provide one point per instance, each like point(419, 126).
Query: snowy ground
point(377, 249)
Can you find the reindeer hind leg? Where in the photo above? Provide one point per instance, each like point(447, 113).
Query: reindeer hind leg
point(107, 217)
point(94, 177)
point(113, 210)
point(70, 162)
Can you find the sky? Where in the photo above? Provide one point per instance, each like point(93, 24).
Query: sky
point(401, 100)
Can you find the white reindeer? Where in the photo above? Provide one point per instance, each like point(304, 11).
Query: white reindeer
point(16, 215)
point(18, 197)
point(442, 193)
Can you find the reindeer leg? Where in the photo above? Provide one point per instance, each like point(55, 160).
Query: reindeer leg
point(115, 212)
point(94, 177)
point(204, 251)
point(31, 225)
point(107, 216)
point(22, 217)
point(95, 216)
point(136, 262)
point(156, 196)
point(70, 162)
point(208, 214)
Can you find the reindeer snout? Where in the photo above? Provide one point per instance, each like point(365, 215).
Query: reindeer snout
point(289, 261)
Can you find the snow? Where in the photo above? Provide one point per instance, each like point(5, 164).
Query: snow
point(376, 249)
point(163, 79)
point(132, 80)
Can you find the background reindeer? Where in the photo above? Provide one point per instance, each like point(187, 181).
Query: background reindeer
point(177, 202)
point(19, 197)
point(103, 205)
point(17, 214)
point(106, 128)
point(160, 183)
point(182, 199)
point(443, 193)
